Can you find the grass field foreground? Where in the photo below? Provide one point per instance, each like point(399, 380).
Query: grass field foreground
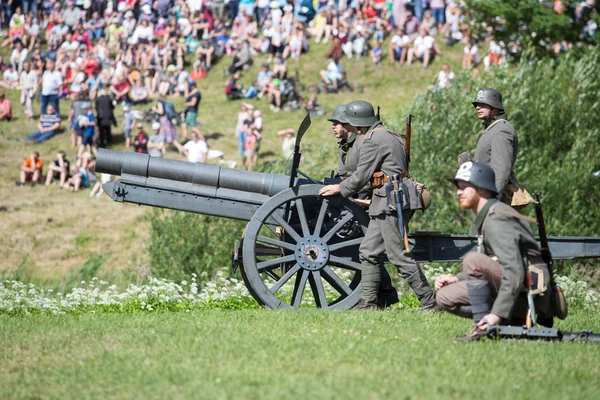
point(397, 354)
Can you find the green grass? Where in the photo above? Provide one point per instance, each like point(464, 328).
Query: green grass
point(51, 233)
point(278, 355)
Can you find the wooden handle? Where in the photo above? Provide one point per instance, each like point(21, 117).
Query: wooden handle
point(406, 247)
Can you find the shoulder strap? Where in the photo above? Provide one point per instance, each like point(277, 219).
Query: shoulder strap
point(493, 123)
point(514, 214)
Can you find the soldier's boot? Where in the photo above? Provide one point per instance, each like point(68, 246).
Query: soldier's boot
point(387, 294)
point(420, 286)
point(463, 311)
point(480, 298)
point(371, 277)
point(366, 306)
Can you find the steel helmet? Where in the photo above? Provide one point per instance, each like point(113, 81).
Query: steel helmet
point(360, 113)
point(477, 174)
point(489, 96)
point(338, 114)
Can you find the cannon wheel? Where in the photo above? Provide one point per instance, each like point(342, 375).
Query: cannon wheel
point(317, 244)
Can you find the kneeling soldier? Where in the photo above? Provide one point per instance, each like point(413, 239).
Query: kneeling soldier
point(491, 288)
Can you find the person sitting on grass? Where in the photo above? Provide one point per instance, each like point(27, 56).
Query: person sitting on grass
point(85, 175)
point(60, 167)
point(424, 48)
point(48, 126)
point(139, 93)
point(11, 78)
point(376, 53)
point(332, 74)
point(5, 108)
point(31, 170)
point(232, 90)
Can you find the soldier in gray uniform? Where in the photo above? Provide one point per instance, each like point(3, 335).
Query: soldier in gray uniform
point(380, 150)
point(491, 288)
point(349, 144)
point(498, 145)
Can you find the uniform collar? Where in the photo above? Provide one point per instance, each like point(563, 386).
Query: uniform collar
point(346, 143)
point(499, 117)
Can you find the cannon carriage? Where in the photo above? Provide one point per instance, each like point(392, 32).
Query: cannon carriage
point(296, 243)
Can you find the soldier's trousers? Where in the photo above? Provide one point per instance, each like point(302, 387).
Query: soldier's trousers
point(383, 237)
point(455, 297)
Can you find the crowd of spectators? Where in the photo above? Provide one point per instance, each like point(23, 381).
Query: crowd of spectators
point(104, 56)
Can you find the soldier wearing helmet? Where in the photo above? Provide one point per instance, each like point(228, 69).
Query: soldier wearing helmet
point(379, 150)
point(498, 145)
point(491, 287)
point(349, 145)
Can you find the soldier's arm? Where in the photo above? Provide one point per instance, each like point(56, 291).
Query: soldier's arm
point(369, 161)
point(502, 157)
point(502, 234)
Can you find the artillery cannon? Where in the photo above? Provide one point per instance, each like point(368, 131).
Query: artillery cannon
point(293, 236)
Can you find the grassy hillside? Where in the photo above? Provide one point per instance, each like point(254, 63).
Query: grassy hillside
point(49, 234)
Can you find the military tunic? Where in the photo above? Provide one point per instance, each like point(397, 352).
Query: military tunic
point(348, 162)
point(498, 147)
point(508, 243)
point(382, 150)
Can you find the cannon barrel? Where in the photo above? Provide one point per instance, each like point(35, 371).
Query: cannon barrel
point(129, 165)
point(180, 185)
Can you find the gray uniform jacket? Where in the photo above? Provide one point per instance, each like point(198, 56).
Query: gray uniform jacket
point(380, 150)
point(498, 148)
point(511, 241)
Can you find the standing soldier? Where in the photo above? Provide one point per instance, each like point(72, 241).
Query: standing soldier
point(379, 150)
point(349, 145)
point(498, 145)
point(491, 288)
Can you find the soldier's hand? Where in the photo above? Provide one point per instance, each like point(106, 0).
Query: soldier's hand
point(444, 280)
point(364, 203)
point(464, 157)
point(488, 320)
point(329, 190)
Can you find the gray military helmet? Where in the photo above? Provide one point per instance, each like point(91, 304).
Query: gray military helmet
point(360, 113)
point(489, 96)
point(338, 114)
point(477, 174)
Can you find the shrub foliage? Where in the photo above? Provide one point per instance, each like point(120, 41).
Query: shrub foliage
point(554, 108)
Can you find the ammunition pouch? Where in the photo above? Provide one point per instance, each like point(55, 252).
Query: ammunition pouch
point(549, 299)
point(378, 179)
point(416, 194)
point(419, 196)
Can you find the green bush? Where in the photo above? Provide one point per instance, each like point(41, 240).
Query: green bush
point(554, 108)
point(181, 243)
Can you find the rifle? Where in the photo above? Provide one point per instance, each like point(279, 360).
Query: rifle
point(378, 113)
point(396, 197)
point(546, 334)
point(545, 248)
point(407, 140)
